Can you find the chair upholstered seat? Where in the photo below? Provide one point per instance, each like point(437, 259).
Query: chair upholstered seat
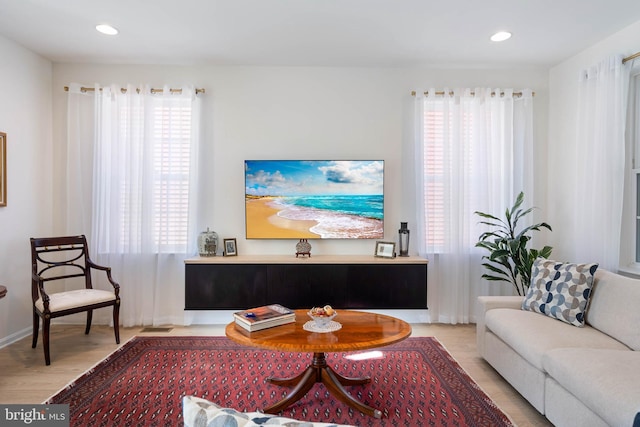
point(61, 301)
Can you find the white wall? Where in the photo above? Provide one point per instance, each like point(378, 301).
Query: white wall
point(249, 112)
point(25, 116)
point(302, 113)
point(253, 112)
point(563, 89)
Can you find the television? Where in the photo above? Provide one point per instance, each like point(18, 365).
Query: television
point(314, 199)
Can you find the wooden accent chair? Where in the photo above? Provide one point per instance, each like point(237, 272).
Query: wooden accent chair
point(67, 259)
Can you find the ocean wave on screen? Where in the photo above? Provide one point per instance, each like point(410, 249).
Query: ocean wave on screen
point(367, 206)
point(332, 224)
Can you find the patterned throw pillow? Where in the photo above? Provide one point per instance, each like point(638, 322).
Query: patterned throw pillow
point(197, 412)
point(560, 290)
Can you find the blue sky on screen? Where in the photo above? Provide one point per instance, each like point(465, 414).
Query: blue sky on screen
point(298, 177)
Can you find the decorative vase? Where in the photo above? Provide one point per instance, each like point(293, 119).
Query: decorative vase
point(303, 247)
point(208, 243)
point(403, 240)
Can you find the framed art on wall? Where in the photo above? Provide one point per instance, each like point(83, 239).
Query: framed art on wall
point(230, 248)
point(3, 169)
point(314, 199)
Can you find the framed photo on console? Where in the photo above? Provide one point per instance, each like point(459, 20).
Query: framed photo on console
point(230, 248)
point(385, 250)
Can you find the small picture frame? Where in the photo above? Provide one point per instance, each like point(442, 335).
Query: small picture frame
point(230, 248)
point(385, 250)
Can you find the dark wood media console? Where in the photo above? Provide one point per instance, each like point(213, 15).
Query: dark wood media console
point(349, 281)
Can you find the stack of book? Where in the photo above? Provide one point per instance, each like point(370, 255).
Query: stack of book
point(264, 317)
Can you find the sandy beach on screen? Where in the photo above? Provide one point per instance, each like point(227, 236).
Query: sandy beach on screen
point(263, 222)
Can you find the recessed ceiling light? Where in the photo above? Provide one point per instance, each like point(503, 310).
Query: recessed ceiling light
point(501, 36)
point(107, 29)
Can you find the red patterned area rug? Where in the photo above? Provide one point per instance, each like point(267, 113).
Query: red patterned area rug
point(415, 383)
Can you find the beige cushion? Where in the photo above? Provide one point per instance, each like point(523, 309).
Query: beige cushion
point(532, 334)
point(614, 307)
point(606, 381)
point(77, 298)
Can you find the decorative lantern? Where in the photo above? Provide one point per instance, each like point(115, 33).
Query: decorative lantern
point(403, 239)
point(208, 243)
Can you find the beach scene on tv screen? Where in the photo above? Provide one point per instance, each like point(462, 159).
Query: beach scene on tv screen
point(329, 199)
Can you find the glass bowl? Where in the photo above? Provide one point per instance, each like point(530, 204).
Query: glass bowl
point(323, 321)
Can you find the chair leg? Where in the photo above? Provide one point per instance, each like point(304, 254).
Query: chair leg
point(89, 317)
point(36, 327)
point(46, 325)
point(116, 321)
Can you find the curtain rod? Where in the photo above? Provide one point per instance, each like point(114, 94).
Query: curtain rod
point(629, 58)
point(472, 93)
point(124, 90)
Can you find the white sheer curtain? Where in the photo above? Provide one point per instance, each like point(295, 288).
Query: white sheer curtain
point(474, 152)
point(79, 161)
point(132, 165)
point(599, 163)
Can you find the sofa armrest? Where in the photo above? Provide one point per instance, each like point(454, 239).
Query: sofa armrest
point(486, 303)
point(490, 302)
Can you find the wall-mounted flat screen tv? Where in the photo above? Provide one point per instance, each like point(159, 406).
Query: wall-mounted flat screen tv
point(308, 199)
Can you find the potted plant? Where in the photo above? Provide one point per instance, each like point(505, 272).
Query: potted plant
point(509, 258)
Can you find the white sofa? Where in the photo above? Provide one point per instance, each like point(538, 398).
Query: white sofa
point(575, 376)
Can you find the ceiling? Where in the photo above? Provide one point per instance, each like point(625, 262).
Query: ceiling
point(381, 33)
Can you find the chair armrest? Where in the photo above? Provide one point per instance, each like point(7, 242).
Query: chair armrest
point(486, 303)
point(42, 293)
point(97, 266)
point(116, 286)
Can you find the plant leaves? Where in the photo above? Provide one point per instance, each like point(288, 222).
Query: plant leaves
point(509, 258)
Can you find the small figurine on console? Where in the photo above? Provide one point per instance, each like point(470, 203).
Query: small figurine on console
point(303, 247)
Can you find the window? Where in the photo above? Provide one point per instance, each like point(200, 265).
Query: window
point(633, 137)
point(636, 172)
point(439, 153)
point(434, 176)
point(143, 200)
point(469, 147)
point(171, 165)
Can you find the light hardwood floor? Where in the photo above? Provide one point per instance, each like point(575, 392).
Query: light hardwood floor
point(24, 378)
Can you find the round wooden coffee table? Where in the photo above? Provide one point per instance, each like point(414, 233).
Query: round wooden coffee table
point(360, 331)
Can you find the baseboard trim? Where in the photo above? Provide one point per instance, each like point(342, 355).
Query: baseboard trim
point(156, 329)
point(16, 336)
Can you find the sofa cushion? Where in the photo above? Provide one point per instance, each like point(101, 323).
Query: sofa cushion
point(614, 307)
point(531, 335)
point(198, 412)
point(606, 381)
point(560, 290)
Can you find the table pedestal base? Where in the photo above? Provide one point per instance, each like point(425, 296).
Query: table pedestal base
point(320, 372)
